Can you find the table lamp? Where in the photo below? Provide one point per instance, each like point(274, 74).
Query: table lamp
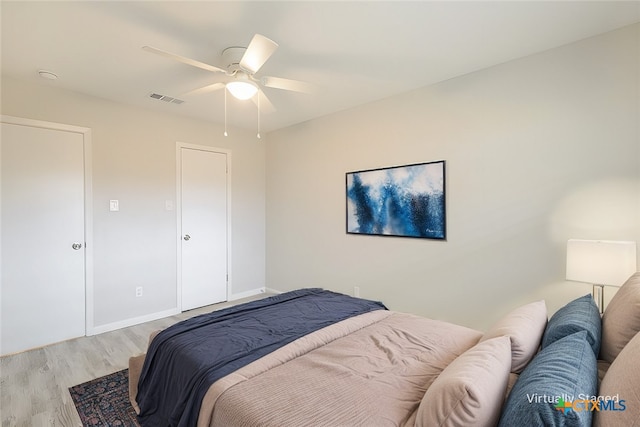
point(601, 263)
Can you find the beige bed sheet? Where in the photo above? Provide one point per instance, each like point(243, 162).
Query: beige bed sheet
point(370, 370)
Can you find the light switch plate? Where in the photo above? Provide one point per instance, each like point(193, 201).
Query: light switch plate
point(114, 205)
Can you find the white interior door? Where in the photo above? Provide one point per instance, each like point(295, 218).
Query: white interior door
point(203, 227)
point(43, 241)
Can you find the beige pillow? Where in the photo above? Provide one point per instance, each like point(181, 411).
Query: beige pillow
point(603, 367)
point(470, 391)
point(621, 319)
point(510, 383)
point(524, 326)
point(622, 380)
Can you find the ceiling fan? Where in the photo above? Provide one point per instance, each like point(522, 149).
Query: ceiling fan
point(238, 75)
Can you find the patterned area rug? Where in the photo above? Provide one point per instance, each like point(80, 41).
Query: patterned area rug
point(105, 401)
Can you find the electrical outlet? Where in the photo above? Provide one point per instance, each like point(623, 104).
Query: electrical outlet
point(139, 291)
point(356, 291)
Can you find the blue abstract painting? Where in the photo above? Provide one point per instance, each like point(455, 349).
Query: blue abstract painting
point(405, 201)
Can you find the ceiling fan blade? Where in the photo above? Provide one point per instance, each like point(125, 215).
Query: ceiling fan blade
point(265, 105)
point(205, 89)
point(259, 50)
point(182, 59)
point(288, 84)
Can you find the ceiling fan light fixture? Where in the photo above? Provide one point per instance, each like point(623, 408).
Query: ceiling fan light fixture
point(242, 89)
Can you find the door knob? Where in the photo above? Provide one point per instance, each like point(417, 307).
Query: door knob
point(76, 246)
point(187, 237)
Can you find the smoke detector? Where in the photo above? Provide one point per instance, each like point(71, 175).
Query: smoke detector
point(47, 75)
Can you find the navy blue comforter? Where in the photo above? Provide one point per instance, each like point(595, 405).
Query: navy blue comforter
point(184, 360)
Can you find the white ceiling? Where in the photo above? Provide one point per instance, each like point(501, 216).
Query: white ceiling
point(355, 52)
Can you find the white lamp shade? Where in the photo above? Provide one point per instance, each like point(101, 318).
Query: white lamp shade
point(600, 262)
point(242, 89)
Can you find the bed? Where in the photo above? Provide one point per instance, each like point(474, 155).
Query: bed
point(355, 363)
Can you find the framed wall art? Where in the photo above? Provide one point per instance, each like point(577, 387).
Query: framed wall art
point(403, 201)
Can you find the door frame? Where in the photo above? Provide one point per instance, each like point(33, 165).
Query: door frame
point(179, 147)
point(88, 204)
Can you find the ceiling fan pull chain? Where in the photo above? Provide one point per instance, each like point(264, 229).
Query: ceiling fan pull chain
point(259, 115)
point(225, 112)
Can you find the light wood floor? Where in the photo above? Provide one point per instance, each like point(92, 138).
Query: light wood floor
point(34, 385)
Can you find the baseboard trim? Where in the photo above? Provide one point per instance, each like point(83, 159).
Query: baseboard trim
point(246, 294)
point(133, 321)
point(166, 313)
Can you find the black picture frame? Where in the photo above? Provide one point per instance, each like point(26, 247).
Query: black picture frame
point(400, 201)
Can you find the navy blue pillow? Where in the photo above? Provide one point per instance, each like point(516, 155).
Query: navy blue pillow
point(581, 314)
point(565, 369)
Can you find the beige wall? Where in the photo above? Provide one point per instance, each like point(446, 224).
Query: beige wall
point(538, 150)
point(134, 161)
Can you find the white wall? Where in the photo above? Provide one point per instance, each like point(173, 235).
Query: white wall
point(134, 161)
point(538, 150)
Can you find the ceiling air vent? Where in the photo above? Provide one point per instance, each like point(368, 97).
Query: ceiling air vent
point(166, 98)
